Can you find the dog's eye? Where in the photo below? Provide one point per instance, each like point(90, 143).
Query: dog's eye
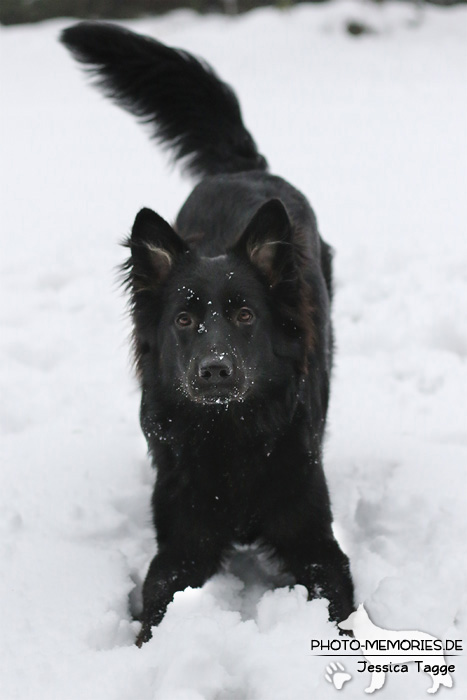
point(245, 315)
point(184, 320)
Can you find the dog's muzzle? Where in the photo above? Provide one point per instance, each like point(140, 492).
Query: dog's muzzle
point(216, 378)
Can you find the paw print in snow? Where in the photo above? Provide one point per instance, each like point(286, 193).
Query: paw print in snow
point(337, 675)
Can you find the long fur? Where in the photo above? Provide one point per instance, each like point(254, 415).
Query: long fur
point(232, 336)
point(168, 89)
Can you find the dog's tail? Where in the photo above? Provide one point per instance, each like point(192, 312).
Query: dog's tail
point(188, 107)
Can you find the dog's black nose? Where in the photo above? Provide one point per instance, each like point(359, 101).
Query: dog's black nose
point(215, 370)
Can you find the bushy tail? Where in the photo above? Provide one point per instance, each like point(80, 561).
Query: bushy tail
point(189, 108)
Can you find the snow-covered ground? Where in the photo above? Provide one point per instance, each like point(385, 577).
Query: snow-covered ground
point(373, 130)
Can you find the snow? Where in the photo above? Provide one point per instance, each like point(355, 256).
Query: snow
point(373, 130)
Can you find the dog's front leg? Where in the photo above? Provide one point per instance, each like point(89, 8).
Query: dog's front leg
point(317, 562)
point(170, 571)
point(330, 578)
point(327, 575)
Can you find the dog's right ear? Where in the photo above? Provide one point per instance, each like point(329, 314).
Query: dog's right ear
point(155, 247)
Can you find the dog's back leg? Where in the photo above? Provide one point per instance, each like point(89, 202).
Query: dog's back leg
point(438, 680)
point(377, 681)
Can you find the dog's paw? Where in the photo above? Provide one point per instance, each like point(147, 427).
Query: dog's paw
point(144, 635)
point(337, 675)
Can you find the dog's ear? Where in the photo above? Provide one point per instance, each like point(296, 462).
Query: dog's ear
point(155, 247)
point(267, 242)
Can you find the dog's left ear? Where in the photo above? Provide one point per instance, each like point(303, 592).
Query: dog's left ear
point(267, 242)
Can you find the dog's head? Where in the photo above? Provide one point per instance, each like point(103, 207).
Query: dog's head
point(357, 618)
point(217, 330)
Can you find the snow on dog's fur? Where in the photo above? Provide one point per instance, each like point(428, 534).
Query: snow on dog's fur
point(232, 336)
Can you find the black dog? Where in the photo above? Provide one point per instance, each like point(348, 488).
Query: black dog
point(232, 336)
